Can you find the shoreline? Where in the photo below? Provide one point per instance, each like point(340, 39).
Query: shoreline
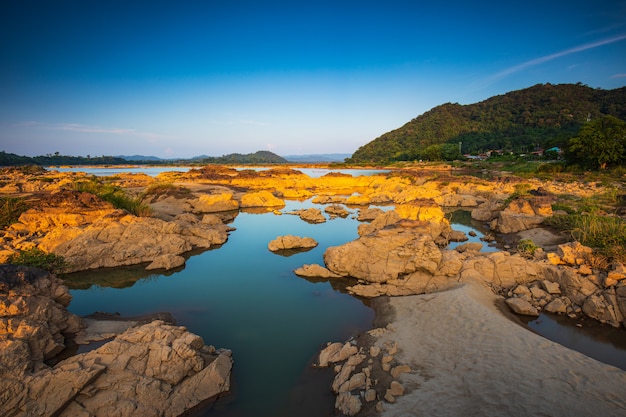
point(469, 359)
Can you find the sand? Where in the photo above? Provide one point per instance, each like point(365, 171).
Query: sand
point(468, 359)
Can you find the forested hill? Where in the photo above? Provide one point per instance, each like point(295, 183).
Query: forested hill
point(540, 116)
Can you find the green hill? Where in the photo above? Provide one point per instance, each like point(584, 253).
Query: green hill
point(259, 157)
point(540, 116)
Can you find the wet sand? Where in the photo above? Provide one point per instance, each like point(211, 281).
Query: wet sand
point(468, 359)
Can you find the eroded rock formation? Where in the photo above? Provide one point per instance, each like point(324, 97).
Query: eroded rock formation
point(154, 369)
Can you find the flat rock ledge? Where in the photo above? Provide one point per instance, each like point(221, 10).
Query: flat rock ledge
point(290, 242)
point(154, 369)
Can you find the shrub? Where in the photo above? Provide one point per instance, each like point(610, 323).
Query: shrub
point(36, 258)
point(10, 210)
point(115, 196)
point(526, 247)
point(604, 233)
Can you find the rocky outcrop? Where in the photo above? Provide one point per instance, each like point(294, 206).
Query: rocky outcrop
point(153, 369)
point(213, 203)
point(261, 199)
point(290, 242)
point(34, 320)
point(127, 240)
point(522, 214)
point(383, 255)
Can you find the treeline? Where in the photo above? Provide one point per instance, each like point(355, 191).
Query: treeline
point(10, 159)
point(539, 117)
point(260, 157)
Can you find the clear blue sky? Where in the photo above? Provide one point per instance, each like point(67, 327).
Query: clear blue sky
point(185, 78)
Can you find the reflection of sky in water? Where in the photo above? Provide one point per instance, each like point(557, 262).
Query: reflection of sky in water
point(245, 298)
point(601, 342)
point(154, 171)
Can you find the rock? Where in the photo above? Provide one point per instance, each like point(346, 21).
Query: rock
point(336, 352)
point(455, 236)
point(384, 255)
point(374, 351)
point(521, 306)
point(212, 203)
point(574, 253)
point(159, 361)
point(604, 308)
point(291, 242)
point(166, 262)
point(356, 381)
point(261, 199)
point(369, 214)
point(311, 215)
point(522, 291)
point(618, 273)
point(557, 306)
point(511, 222)
point(396, 389)
point(501, 268)
point(574, 286)
point(470, 246)
point(315, 271)
point(538, 293)
point(400, 369)
point(336, 210)
point(370, 395)
point(348, 404)
point(389, 397)
point(551, 287)
point(383, 220)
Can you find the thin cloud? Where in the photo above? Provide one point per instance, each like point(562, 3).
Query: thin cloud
point(618, 76)
point(543, 59)
point(75, 127)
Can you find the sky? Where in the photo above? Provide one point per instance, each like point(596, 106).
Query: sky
point(178, 79)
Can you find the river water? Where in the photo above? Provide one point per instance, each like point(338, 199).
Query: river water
point(245, 298)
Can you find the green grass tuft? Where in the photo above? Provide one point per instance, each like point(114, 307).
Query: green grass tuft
point(36, 258)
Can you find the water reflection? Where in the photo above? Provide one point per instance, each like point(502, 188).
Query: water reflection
point(601, 342)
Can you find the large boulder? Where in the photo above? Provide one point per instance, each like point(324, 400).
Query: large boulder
point(383, 255)
point(523, 214)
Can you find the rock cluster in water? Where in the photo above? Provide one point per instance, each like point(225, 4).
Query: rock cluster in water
point(153, 369)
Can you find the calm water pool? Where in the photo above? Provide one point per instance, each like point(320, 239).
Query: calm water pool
point(245, 298)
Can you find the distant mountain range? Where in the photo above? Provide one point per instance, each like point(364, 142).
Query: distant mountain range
point(541, 116)
point(271, 157)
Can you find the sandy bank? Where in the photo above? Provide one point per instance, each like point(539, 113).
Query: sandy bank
point(467, 359)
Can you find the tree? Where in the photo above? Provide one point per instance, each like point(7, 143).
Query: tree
point(600, 142)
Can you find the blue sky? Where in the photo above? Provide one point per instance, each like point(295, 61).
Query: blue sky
point(186, 78)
